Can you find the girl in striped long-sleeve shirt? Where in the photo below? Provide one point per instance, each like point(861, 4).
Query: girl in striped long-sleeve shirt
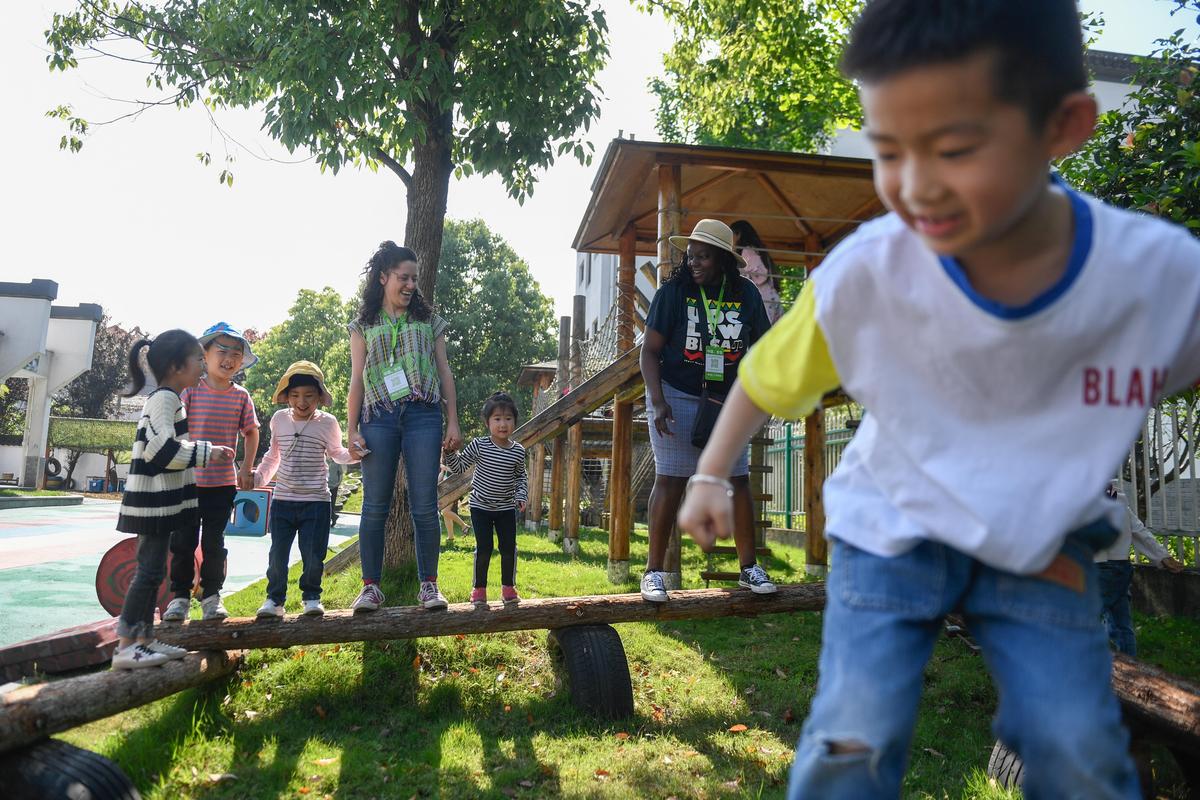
point(499, 489)
point(160, 493)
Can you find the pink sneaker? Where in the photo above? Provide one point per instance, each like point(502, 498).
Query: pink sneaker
point(479, 596)
point(509, 595)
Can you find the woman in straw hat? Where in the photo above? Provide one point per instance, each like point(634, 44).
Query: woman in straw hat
point(702, 321)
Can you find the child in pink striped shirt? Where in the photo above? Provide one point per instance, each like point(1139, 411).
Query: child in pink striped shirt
point(301, 436)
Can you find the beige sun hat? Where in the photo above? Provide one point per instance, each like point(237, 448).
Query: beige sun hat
point(710, 231)
point(302, 368)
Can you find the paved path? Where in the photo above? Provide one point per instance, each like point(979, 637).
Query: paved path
point(48, 560)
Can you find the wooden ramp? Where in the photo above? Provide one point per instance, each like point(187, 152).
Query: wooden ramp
point(621, 376)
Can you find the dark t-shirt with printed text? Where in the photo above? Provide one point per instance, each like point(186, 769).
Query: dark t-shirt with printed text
point(675, 313)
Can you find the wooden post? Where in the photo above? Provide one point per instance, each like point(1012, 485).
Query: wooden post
point(559, 451)
point(815, 551)
point(574, 436)
point(537, 469)
point(620, 518)
point(669, 191)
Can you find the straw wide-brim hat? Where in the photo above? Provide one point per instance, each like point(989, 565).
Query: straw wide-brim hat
point(710, 231)
point(302, 368)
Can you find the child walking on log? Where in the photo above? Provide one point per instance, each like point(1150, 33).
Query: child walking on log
point(302, 435)
point(160, 493)
point(499, 491)
point(1006, 336)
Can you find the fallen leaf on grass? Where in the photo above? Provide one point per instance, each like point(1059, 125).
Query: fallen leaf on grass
point(780, 673)
point(526, 784)
point(417, 662)
point(320, 711)
point(325, 762)
point(737, 728)
point(459, 636)
point(933, 752)
point(251, 714)
point(602, 774)
point(667, 760)
point(789, 716)
point(304, 790)
point(473, 670)
point(507, 709)
point(221, 777)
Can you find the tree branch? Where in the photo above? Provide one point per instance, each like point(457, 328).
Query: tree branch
point(396, 167)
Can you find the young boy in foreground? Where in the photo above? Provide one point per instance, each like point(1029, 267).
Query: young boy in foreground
point(1006, 337)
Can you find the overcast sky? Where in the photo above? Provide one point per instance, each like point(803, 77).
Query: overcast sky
point(135, 223)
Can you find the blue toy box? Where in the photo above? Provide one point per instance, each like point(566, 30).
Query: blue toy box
point(251, 509)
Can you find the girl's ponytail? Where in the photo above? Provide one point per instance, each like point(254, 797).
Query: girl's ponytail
point(137, 376)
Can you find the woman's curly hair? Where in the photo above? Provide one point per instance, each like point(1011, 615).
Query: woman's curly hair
point(386, 257)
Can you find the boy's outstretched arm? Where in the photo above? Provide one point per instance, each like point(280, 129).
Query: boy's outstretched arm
point(707, 512)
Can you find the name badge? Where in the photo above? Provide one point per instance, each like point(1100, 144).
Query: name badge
point(396, 382)
point(714, 362)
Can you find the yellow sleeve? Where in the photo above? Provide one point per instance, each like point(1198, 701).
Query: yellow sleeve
point(789, 370)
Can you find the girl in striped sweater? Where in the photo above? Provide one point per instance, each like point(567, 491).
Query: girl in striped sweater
point(499, 490)
point(160, 494)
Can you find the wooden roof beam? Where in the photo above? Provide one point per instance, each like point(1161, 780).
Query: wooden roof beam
point(692, 192)
point(784, 204)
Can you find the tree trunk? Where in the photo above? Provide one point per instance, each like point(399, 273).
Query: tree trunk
point(427, 195)
point(398, 546)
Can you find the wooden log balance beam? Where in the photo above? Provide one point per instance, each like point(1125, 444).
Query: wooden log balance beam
point(411, 622)
point(30, 713)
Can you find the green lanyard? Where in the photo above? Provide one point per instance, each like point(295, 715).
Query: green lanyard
point(396, 325)
point(713, 316)
point(714, 354)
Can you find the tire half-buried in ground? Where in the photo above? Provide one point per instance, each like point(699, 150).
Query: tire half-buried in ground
point(54, 770)
point(590, 660)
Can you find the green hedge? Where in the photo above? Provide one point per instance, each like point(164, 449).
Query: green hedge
point(92, 435)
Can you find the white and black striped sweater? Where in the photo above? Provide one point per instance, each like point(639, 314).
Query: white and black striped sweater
point(160, 493)
point(500, 480)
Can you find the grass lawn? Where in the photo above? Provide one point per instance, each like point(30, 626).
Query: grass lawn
point(7, 492)
point(482, 716)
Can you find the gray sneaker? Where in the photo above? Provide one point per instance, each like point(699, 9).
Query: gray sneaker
point(429, 597)
point(177, 609)
point(756, 580)
point(369, 599)
point(653, 588)
point(213, 608)
point(313, 608)
point(137, 656)
point(168, 650)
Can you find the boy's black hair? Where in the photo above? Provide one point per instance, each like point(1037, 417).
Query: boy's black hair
point(168, 350)
point(1038, 43)
point(500, 400)
point(296, 381)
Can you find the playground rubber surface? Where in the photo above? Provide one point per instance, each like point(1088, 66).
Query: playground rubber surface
point(48, 560)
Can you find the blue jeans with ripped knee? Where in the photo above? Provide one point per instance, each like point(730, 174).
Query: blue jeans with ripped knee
point(1041, 640)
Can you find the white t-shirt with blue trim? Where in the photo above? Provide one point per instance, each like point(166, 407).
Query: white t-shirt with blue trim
point(989, 428)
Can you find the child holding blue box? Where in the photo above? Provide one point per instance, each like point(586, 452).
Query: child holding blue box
point(301, 436)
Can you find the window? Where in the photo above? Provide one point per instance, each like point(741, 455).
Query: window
point(579, 280)
point(589, 269)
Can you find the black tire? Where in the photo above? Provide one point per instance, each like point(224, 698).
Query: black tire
point(53, 467)
point(54, 770)
point(591, 661)
point(1006, 767)
point(69, 485)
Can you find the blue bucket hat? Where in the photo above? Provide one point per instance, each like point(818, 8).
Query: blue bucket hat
point(225, 329)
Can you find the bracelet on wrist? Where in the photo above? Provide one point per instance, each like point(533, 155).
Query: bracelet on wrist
point(712, 480)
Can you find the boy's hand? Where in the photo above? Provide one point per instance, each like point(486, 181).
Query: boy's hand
point(221, 455)
point(1171, 565)
point(663, 418)
point(706, 514)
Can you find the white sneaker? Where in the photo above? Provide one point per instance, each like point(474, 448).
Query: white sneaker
point(653, 588)
point(168, 650)
point(137, 656)
point(269, 610)
point(213, 608)
point(313, 608)
point(177, 609)
point(429, 597)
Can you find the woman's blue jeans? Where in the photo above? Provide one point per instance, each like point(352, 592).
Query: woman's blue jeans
point(1115, 578)
point(1041, 639)
point(412, 431)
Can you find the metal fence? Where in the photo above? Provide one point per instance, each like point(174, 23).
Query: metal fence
point(1161, 475)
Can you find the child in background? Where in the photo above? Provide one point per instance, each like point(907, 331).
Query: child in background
point(1006, 336)
point(302, 435)
point(160, 494)
point(499, 490)
point(218, 409)
point(760, 267)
